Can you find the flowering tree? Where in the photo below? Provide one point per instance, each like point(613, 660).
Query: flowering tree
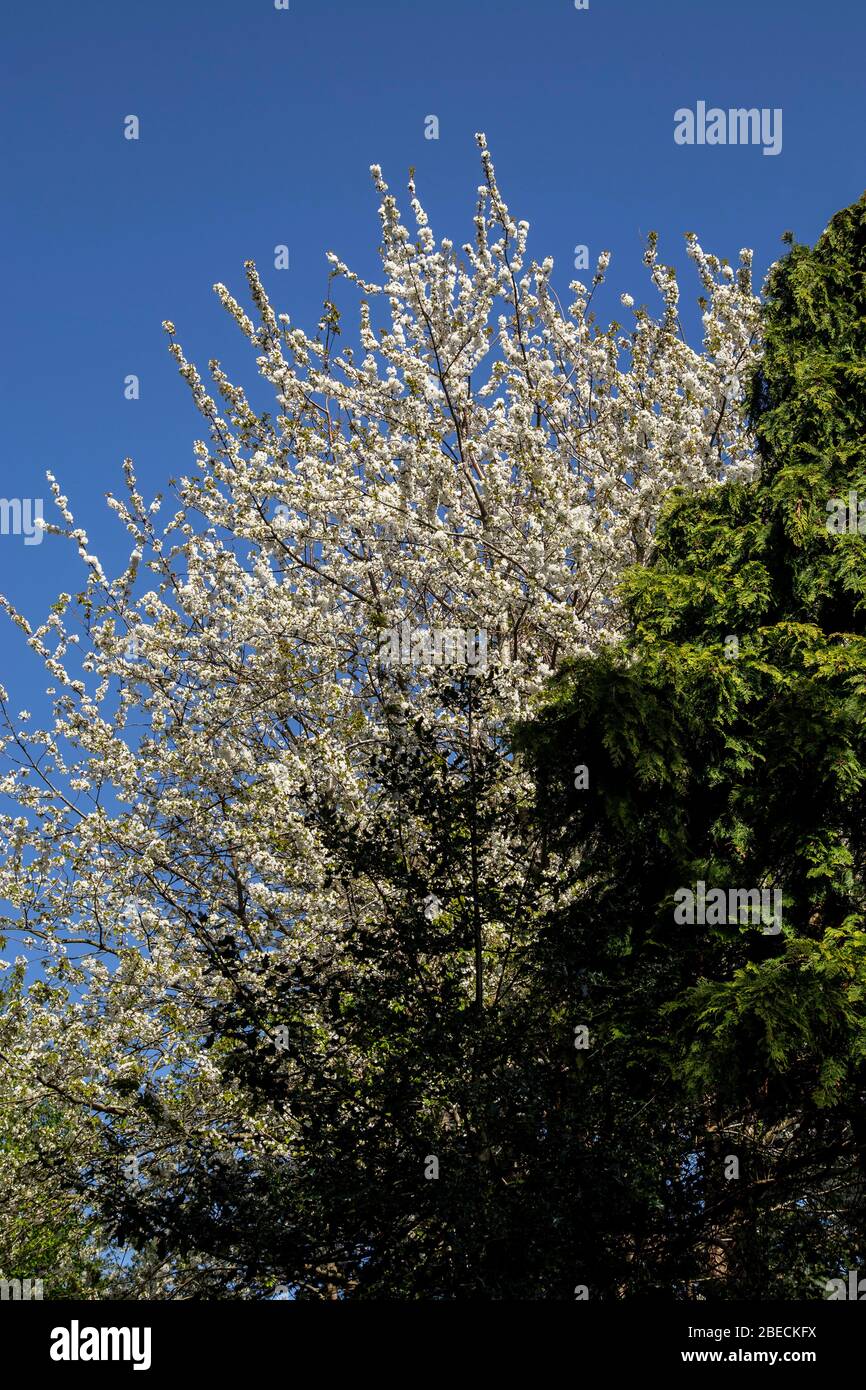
point(226, 710)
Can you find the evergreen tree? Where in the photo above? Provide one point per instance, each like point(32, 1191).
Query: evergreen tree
point(725, 749)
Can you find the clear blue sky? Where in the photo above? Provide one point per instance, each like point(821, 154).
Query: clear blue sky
point(258, 127)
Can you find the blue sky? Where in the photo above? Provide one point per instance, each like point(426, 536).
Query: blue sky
point(258, 127)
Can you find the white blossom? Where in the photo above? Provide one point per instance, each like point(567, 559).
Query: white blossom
point(484, 458)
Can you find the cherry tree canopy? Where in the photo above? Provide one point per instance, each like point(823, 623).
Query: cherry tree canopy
point(484, 459)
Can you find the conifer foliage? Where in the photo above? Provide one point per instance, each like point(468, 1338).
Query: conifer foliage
point(725, 751)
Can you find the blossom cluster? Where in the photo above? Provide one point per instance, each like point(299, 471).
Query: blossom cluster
point(483, 460)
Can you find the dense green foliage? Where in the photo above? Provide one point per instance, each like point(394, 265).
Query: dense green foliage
point(726, 743)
